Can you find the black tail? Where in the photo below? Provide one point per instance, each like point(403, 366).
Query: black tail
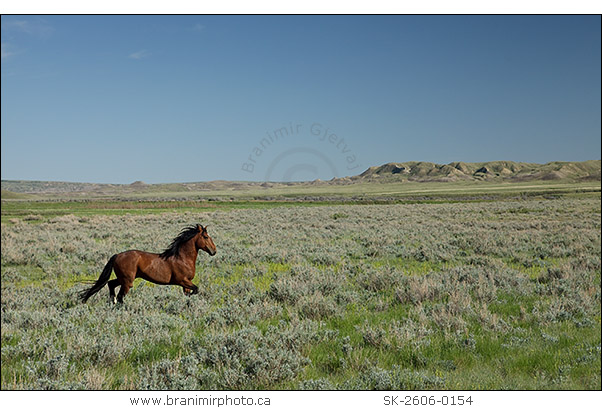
point(102, 281)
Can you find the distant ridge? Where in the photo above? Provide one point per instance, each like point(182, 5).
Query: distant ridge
point(491, 170)
point(411, 171)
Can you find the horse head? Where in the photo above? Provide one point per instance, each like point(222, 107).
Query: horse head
point(204, 241)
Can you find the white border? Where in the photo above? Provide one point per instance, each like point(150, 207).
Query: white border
point(491, 403)
point(301, 7)
point(357, 402)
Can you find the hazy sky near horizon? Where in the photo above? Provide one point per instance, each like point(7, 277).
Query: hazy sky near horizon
point(115, 99)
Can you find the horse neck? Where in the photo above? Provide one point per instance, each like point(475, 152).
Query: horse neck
point(188, 251)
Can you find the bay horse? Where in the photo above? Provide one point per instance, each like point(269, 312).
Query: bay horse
point(174, 266)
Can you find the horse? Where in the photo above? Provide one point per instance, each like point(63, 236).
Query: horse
point(174, 266)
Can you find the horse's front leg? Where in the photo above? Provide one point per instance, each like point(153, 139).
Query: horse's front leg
point(189, 288)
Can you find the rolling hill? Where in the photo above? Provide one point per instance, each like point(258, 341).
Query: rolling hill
point(494, 172)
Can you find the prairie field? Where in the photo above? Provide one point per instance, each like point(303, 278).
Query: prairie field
point(491, 294)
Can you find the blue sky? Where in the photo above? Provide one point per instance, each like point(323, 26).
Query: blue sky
point(114, 99)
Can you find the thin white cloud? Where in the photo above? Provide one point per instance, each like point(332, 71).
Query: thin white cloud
point(37, 27)
point(139, 54)
point(17, 29)
point(6, 52)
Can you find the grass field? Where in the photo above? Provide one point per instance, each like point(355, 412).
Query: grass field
point(164, 198)
point(464, 288)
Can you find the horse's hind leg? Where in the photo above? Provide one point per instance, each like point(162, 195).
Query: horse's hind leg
point(112, 285)
point(125, 282)
point(125, 287)
point(126, 274)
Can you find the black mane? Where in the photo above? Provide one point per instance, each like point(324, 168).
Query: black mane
point(174, 247)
